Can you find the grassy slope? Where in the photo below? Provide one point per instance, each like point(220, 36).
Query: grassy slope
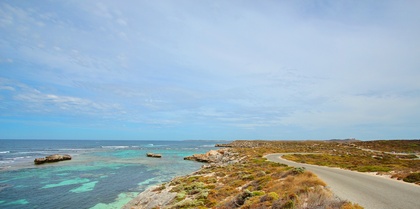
point(253, 183)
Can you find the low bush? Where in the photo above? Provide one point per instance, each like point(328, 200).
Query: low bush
point(252, 183)
point(413, 178)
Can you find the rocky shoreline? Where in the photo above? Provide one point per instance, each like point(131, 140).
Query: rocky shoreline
point(220, 157)
point(240, 178)
point(162, 196)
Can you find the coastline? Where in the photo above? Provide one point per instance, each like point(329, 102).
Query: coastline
point(114, 172)
point(239, 178)
point(161, 195)
point(253, 182)
point(152, 199)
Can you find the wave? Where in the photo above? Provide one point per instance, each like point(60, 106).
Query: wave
point(115, 147)
point(190, 148)
point(207, 145)
point(18, 158)
point(156, 145)
point(80, 149)
point(34, 153)
point(4, 152)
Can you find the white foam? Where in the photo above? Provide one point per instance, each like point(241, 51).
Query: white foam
point(207, 145)
point(70, 149)
point(115, 147)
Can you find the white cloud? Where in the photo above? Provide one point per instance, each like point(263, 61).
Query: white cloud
point(32, 100)
point(6, 60)
point(349, 111)
point(121, 22)
point(8, 88)
point(265, 64)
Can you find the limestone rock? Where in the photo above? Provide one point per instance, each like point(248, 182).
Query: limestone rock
point(213, 156)
point(153, 155)
point(151, 198)
point(52, 158)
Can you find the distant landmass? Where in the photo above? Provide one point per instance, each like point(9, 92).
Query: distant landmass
point(344, 140)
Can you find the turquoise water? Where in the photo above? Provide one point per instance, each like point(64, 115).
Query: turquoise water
point(102, 174)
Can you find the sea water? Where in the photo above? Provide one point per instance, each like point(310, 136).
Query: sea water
point(102, 174)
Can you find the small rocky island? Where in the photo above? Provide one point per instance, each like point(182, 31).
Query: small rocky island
point(52, 158)
point(154, 155)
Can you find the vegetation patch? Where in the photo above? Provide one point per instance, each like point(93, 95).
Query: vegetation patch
point(397, 158)
point(413, 178)
point(252, 182)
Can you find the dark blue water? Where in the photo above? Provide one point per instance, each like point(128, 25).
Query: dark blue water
point(102, 174)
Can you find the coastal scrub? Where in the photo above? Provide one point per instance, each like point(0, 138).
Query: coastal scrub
point(250, 181)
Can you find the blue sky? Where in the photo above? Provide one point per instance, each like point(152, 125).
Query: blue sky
point(173, 70)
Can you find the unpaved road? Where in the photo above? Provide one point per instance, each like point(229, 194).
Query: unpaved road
point(369, 191)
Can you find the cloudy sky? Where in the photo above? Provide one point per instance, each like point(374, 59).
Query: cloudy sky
point(173, 70)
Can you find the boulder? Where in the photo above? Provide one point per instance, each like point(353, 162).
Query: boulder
point(153, 155)
point(212, 156)
point(40, 160)
point(52, 158)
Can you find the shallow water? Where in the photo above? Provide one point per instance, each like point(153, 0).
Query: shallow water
point(102, 174)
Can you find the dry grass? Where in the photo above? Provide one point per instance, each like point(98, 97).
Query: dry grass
point(401, 146)
point(396, 158)
point(253, 183)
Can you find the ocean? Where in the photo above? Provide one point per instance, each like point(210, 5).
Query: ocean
point(102, 173)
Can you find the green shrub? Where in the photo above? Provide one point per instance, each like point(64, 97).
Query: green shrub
point(273, 196)
point(412, 178)
point(181, 195)
point(160, 188)
point(270, 197)
point(373, 168)
point(258, 193)
point(289, 204)
point(247, 177)
point(189, 203)
point(298, 170)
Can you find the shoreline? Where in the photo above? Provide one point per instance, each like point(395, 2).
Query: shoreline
point(113, 175)
point(256, 182)
point(239, 177)
point(160, 194)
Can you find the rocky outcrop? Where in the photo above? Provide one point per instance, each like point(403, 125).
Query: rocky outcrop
point(52, 158)
point(221, 156)
point(163, 196)
point(153, 197)
point(153, 155)
point(223, 145)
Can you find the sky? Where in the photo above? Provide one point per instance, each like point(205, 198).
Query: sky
point(185, 69)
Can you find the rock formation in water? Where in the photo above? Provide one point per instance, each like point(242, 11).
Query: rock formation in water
point(153, 155)
point(52, 158)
